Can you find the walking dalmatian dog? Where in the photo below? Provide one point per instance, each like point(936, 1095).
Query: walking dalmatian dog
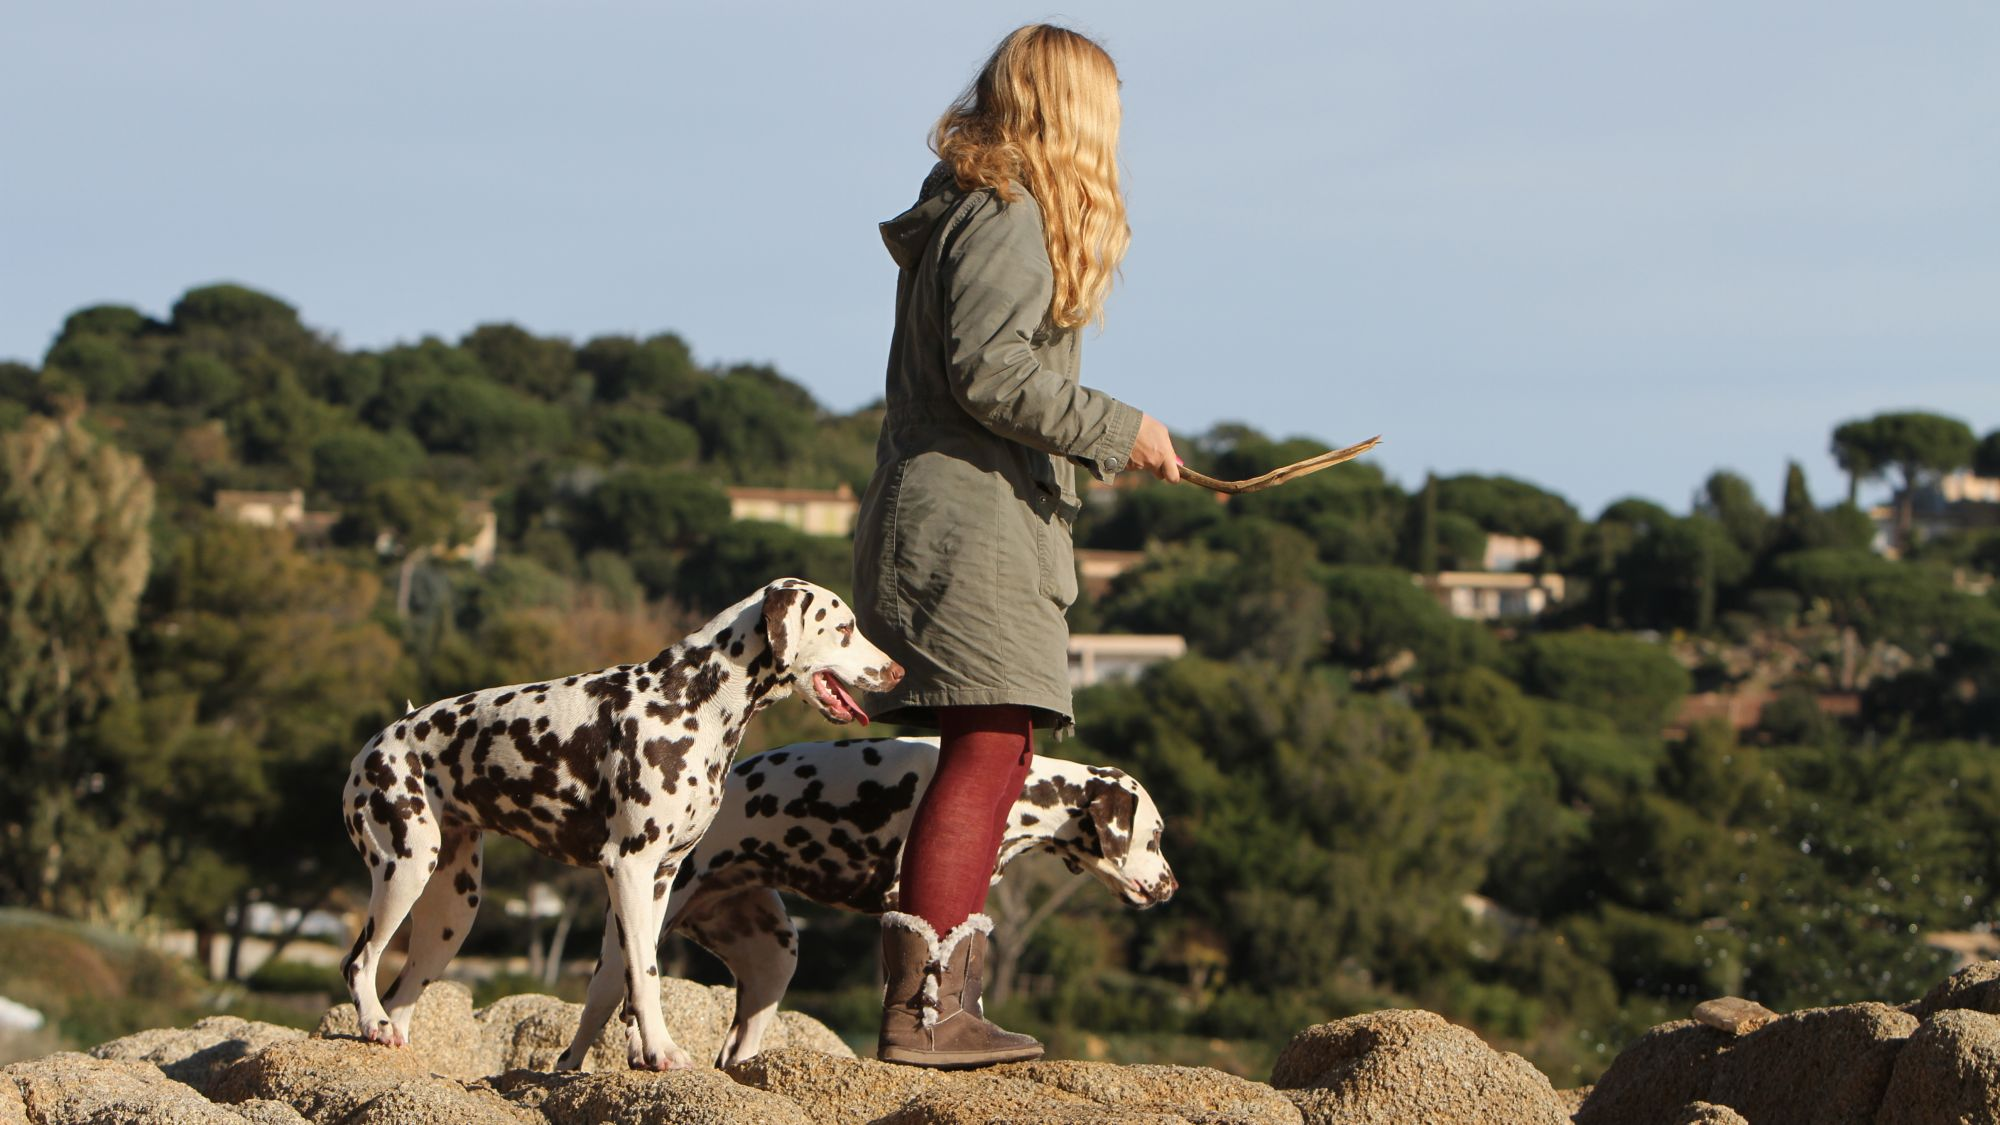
point(620, 769)
point(827, 820)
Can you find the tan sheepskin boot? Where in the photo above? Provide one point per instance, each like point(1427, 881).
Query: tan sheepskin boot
point(930, 1009)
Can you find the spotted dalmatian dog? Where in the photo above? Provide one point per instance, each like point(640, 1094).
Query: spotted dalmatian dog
point(620, 769)
point(827, 820)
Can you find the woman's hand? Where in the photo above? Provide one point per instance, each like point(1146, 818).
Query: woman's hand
point(1154, 451)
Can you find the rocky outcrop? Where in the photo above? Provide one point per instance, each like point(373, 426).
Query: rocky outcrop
point(1824, 1066)
point(1928, 1062)
point(1400, 1066)
point(530, 1032)
point(1669, 1067)
point(195, 1055)
point(1702, 1113)
point(1949, 1071)
point(1196, 1094)
point(75, 1089)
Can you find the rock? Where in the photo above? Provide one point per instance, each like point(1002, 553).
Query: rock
point(75, 1089)
point(979, 1098)
point(1669, 1067)
point(442, 1032)
point(1401, 1066)
point(439, 1104)
point(1975, 987)
point(262, 1112)
point(12, 1112)
point(531, 1032)
point(1197, 1094)
point(1949, 1071)
point(1702, 1113)
point(798, 1031)
point(1572, 1100)
point(847, 1091)
point(194, 1055)
point(678, 1097)
point(1822, 1065)
point(336, 1080)
point(1733, 1014)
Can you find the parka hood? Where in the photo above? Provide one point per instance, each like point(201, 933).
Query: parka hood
point(907, 234)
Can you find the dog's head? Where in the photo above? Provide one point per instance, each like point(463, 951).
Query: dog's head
point(1112, 831)
point(815, 642)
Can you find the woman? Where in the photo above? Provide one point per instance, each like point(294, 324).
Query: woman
point(962, 554)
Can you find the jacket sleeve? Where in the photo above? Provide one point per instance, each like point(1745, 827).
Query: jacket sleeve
point(998, 284)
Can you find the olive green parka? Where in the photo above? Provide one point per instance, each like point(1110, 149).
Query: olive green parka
point(963, 564)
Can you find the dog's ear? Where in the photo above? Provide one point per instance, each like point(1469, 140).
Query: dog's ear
point(785, 622)
point(1111, 809)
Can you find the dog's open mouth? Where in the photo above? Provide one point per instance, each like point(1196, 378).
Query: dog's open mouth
point(835, 700)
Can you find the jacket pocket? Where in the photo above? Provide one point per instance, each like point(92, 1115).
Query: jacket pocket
point(1054, 549)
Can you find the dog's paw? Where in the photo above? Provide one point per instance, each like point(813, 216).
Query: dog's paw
point(671, 1058)
point(385, 1033)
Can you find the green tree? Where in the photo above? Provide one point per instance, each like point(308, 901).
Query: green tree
point(646, 437)
point(275, 670)
point(1377, 613)
point(348, 461)
point(74, 554)
point(644, 509)
point(1918, 446)
point(1420, 536)
point(1507, 506)
point(544, 367)
point(1635, 684)
point(1729, 500)
point(100, 364)
point(660, 371)
point(198, 381)
point(739, 555)
point(1986, 458)
point(1149, 513)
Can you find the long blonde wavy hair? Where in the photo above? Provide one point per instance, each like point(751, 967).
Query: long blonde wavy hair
point(1044, 113)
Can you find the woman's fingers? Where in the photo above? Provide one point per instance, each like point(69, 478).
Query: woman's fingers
point(1153, 452)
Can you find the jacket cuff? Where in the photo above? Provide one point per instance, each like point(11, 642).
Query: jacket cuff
point(1109, 454)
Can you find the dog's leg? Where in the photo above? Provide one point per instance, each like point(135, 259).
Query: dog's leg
point(607, 987)
point(751, 933)
point(635, 917)
point(397, 880)
point(438, 923)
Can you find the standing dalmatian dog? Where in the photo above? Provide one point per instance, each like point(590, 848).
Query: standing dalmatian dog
point(620, 769)
point(827, 820)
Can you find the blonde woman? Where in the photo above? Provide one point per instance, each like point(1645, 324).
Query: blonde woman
point(962, 554)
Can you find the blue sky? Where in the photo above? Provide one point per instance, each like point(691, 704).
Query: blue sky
point(1605, 246)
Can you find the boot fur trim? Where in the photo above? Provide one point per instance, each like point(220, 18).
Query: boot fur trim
point(939, 950)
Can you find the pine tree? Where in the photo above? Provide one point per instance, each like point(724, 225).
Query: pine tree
point(74, 555)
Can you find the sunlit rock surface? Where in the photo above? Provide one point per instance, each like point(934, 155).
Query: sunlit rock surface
point(1935, 1060)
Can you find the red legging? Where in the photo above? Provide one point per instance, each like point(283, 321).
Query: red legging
point(948, 860)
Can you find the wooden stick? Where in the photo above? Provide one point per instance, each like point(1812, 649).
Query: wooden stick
point(1279, 476)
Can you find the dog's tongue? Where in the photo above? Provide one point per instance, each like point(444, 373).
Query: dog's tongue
point(839, 691)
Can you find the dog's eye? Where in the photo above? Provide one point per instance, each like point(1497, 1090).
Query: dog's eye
point(844, 628)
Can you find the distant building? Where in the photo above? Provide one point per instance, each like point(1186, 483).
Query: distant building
point(1967, 487)
point(815, 511)
point(286, 509)
point(1096, 658)
point(1098, 569)
point(262, 509)
point(1508, 552)
point(1485, 596)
